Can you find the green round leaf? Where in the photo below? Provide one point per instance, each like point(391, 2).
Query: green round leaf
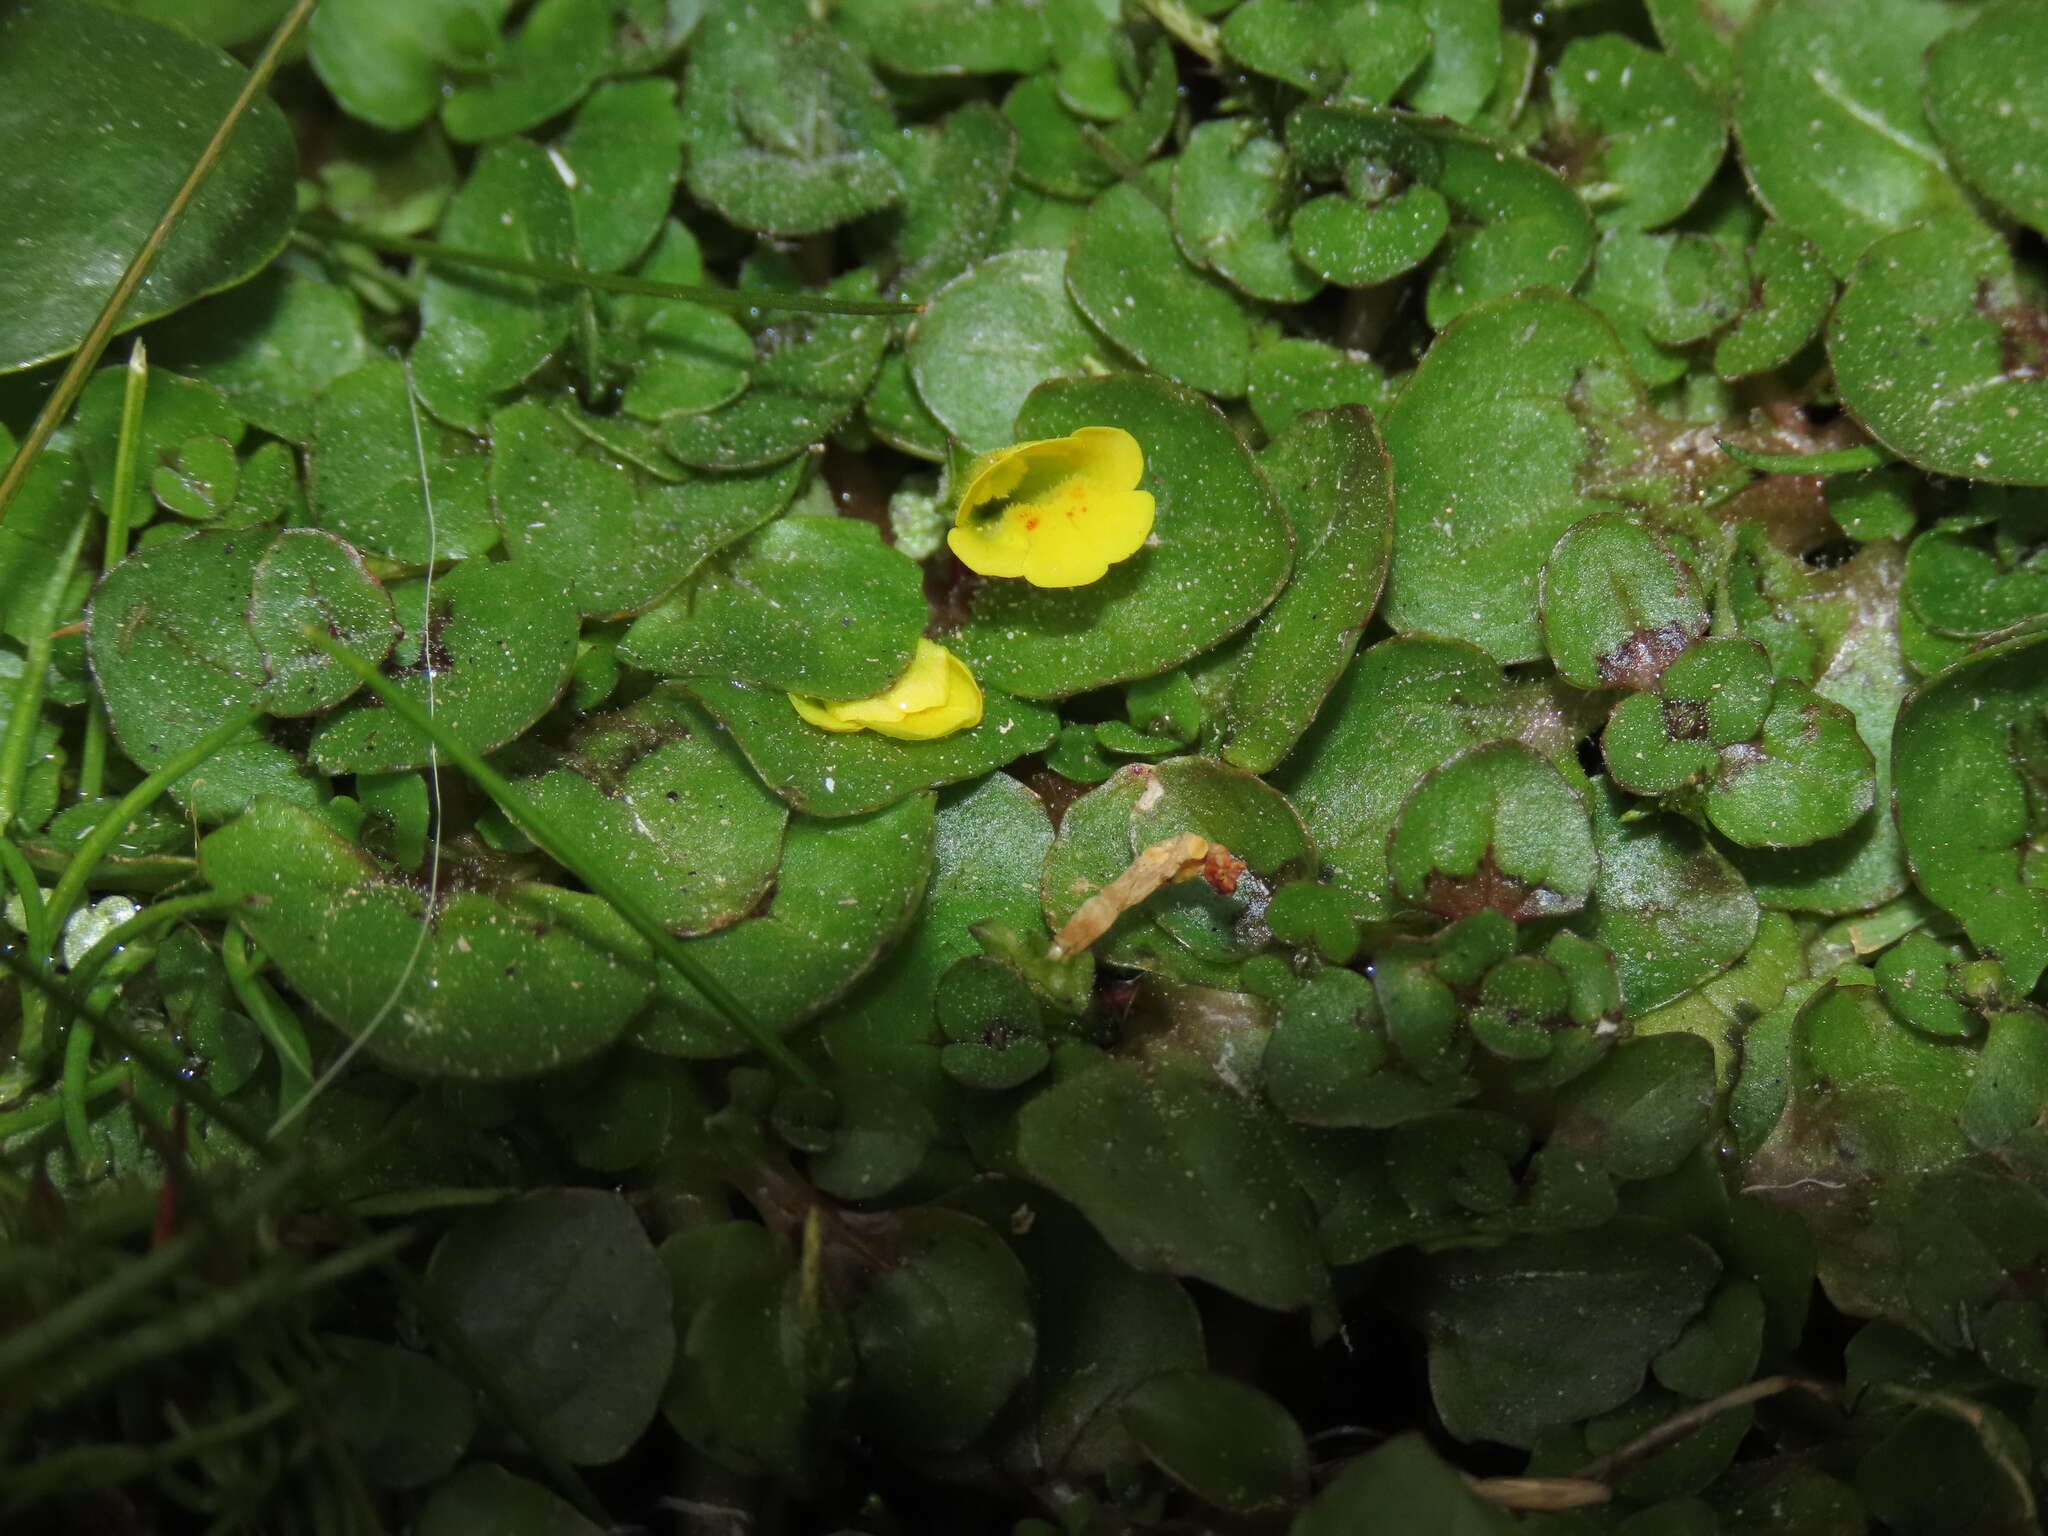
point(1828, 114)
point(1228, 1443)
point(1403, 707)
point(944, 1334)
point(783, 123)
point(1983, 89)
point(1969, 744)
point(1808, 776)
point(1054, 153)
point(814, 605)
point(171, 650)
point(365, 481)
point(624, 153)
point(1231, 187)
point(1496, 826)
point(560, 1290)
point(101, 116)
point(1937, 352)
point(1518, 225)
point(937, 37)
point(541, 71)
point(846, 891)
point(1332, 475)
point(406, 1417)
point(1179, 1176)
point(1490, 442)
point(310, 578)
point(1792, 292)
point(495, 656)
point(602, 528)
point(385, 66)
point(1218, 554)
point(809, 373)
point(1673, 911)
point(1541, 1331)
point(499, 986)
point(665, 805)
point(1129, 277)
point(1359, 246)
point(993, 335)
point(483, 1497)
point(1648, 139)
point(1617, 604)
point(482, 333)
point(846, 773)
point(271, 347)
point(1295, 375)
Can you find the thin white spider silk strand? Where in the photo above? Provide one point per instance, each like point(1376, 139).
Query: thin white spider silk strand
point(419, 943)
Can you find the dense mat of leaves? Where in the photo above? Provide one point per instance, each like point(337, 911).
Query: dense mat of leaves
point(539, 993)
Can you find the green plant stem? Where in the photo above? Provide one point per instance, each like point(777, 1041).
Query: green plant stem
point(81, 1468)
point(87, 357)
point(84, 1314)
point(107, 831)
point(195, 1094)
point(49, 1109)
point(22, 877)
point(274, 1020)
point(606, 282)
point(78, 1041)
point(92, 758)
point(22, 720)
point(212, 1315)
point(551, 840)
point(72, 1095)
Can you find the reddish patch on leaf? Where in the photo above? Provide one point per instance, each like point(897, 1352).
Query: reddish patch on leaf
point(1487, 887)
point(1685, 719)
point(1641, 659)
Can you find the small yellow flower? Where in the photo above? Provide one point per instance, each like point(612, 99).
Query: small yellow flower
point(935, 696)
point(1059, 512)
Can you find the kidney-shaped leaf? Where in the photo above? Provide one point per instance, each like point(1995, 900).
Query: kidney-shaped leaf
point(1967, 758)
point(101, 115)
point(501, 985)
point(561, 1291)
point(1218, 554)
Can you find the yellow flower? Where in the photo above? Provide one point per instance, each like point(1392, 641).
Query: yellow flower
point(935, 696)
point(1059, 512)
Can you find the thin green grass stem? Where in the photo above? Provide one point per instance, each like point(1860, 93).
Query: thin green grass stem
point(87, 357)
point(276, 1022)
point(82, 1468)
point(72, 1096)
point(740, 299)
point(570, 855)
point(78, 1042)
point(35, 924)
point(92, 758)
point(81, 1371)
point(195, 1094)
point(47, 1110)
point(95, 845)
point(79, 1318)
point(27, 710)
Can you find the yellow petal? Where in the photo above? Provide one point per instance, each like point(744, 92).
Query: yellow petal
point(1110, 455)
point(935, 696)
point(822, 714)
point(998, 549)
